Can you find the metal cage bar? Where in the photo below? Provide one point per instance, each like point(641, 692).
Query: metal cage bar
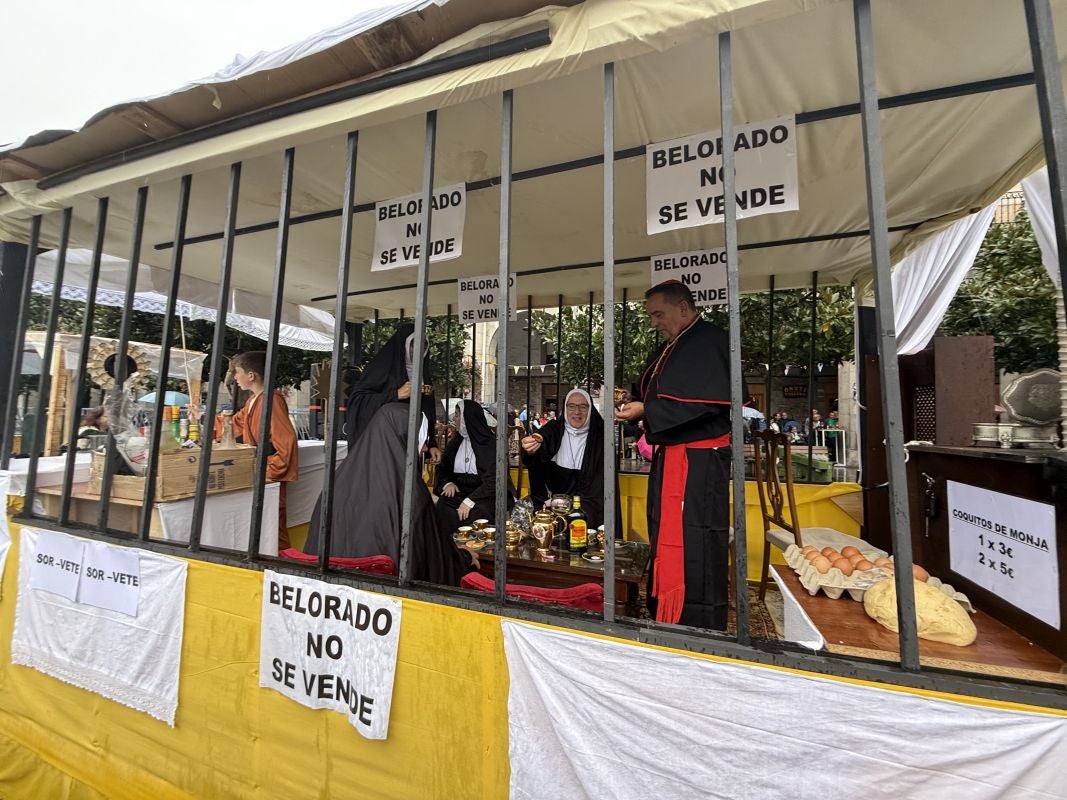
point(158, 435)
point(607, 397)
point(589, 345)
point(115, 395)
point(887, 338)
point(20, 342)
point(218, 341)
point(500, 554)
point(733, 283)
point(259, 478)
point(45, 382)
point(83, 357)
point(340, 312)
point(411, 460)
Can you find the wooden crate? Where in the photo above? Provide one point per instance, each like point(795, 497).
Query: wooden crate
point(230, 469)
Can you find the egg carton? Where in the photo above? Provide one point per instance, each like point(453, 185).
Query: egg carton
point(835, 583)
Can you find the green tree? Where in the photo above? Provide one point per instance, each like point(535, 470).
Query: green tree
point(1008, 295)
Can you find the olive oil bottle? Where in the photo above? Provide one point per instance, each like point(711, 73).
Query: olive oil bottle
point(577, 527)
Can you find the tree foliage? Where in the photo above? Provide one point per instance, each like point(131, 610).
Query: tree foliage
point(792, 334)
point(1008, 295)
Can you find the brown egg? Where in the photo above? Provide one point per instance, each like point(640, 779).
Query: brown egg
point(883, 562)
point(814, 554)
point(822, 564)
point(827, 550)
point(920, 573)
point(855, 558)
point(807, 549)
point(844, 565)
point(864, 565)
point(850, 551)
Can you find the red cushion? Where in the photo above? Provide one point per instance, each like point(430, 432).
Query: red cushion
point(382, 565)
point(587, 596)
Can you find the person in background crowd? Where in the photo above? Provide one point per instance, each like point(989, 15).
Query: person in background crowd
point(812, 425)
point(684, 398)
point(831, 435)
point(368, 505)
point(524, 418)
point(94, 422)
point(567, 456)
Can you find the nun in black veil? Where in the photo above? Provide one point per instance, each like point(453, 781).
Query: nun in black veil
point(368, 500)
point(466, 477)
point(387, 379)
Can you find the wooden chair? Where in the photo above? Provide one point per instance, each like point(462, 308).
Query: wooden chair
point(770, 451)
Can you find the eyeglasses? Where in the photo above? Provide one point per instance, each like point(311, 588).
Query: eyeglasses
point(577, 407)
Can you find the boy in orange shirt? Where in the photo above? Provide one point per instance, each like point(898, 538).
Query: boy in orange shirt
point(248, 372)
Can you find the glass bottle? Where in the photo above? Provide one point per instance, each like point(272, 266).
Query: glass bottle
point(227, 441)
point(577, 527)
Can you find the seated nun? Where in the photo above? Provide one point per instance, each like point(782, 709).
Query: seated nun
point(466, 477)
point(566, 456)
point(368, 505)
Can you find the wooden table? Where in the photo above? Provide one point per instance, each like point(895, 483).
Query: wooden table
point(998, 651)
point(561, 569)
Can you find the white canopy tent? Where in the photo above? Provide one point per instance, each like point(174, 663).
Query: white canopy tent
point(956, 133)
point(303, 327)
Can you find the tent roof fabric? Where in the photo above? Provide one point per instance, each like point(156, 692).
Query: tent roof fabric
point(943, 159)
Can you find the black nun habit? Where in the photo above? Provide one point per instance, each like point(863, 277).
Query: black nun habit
point(384, 374)
point(368, 500)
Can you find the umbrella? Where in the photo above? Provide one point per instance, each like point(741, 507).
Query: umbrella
point(170, 398)
point(751, 412)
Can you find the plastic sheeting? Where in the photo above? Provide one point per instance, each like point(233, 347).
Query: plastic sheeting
point(302, 326)
point(595, 718)
point(925, 282)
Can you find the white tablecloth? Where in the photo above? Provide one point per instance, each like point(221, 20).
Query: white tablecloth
point(49, 471)
point(227, 520)
point(302, 493)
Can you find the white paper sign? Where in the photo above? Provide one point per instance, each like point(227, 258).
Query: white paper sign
point(398, 228)
point(57, 564)
point(1007, 545)
point(329, 646)
point(683, 177)
point(479, 297)
point(703, 271)
point(111, 578)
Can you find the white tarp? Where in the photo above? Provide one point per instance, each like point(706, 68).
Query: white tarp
point(330, 646)
point(595, 718)
point(132, 660)
point(302, 326)
point(927, 279)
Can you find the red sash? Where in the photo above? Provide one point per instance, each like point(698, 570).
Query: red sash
point(668, 581)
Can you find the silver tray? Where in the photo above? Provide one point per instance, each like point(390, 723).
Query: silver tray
point(1012, 434)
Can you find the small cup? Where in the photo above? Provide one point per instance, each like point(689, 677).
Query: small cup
point(465, 533)
point(479, 524)
point(489, 534)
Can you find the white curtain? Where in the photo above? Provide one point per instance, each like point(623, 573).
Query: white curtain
point(926, 280)
point(1039, 207)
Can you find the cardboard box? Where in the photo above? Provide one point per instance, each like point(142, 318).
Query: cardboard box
point(176, 479)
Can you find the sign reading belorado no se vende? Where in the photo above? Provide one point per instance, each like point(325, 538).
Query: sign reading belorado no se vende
point(683, 177)
point(398, 228)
